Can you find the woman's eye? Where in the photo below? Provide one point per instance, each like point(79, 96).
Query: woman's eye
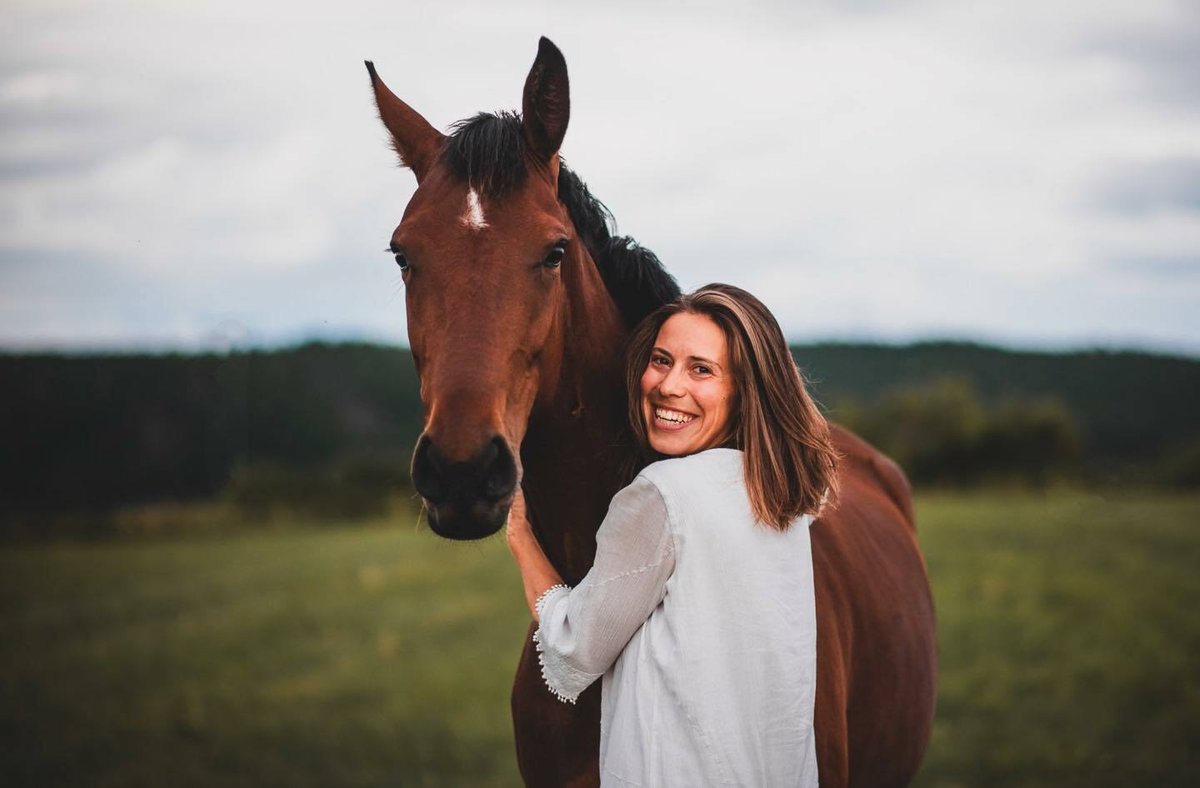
point(660, 361)
point(555, 257)
point(700, 369)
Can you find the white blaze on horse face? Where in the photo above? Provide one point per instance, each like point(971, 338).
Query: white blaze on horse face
point(473, 216)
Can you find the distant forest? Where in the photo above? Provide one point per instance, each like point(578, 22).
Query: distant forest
point(87, 432)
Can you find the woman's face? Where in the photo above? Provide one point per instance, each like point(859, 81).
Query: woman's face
point(687, 388)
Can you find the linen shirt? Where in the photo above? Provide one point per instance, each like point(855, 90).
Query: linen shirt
point(702, 622)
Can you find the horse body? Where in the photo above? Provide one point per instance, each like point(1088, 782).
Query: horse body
point(518, 304)
point(876, 652)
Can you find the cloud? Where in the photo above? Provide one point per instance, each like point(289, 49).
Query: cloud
point(1160, 43)
point(1141, 189)
point(169, 172)
point(1173, 269)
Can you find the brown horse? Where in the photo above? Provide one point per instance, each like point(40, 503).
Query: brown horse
point(519, 300)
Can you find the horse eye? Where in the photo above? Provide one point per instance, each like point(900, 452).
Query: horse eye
point(555, 258)
point(402, 261)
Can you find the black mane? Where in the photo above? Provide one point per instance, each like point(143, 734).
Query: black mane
point(488, 152)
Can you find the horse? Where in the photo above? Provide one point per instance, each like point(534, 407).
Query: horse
point(519, 298)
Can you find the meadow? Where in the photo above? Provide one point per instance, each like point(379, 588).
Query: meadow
point(373, 653)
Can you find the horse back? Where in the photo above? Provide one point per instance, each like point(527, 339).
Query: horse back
point(876, 644)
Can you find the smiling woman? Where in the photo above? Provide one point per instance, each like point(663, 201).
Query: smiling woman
point(699, 611)
point(713, 369)
point(687, 391)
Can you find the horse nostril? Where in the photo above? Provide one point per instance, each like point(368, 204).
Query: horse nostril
point(490, 475)
point(427, 472)
point(500, 471)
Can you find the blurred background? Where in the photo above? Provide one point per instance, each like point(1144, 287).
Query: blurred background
point(978, 223)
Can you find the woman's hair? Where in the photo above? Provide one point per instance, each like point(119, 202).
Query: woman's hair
point(791, 465)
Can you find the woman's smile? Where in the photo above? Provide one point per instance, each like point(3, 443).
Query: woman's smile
point(687, 388)
point(672, 419)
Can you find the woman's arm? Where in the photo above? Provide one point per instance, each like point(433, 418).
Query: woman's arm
point(582, 630)
point(537, 573)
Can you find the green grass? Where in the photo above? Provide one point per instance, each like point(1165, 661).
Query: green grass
point(376, 654)
point(1069, 637)
point(339, 656)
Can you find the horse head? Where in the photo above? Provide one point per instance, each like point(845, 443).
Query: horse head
point(490, 257)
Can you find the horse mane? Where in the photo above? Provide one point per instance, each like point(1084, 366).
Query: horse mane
point(488, 152)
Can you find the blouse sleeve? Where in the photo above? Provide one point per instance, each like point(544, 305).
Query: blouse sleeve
point(582, 630)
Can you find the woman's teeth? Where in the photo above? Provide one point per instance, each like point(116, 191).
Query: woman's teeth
point(673, 416)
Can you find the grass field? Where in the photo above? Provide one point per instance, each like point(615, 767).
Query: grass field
point(376, 654)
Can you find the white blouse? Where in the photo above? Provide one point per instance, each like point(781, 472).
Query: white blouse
point(702, 623)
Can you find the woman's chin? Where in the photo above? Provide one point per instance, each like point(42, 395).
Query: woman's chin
point(674, 445)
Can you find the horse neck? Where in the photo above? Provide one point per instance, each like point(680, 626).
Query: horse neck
point(575, 448)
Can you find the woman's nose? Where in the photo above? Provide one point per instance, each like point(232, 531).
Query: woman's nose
point(673, 384)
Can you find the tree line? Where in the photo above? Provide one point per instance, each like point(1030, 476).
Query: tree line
point(89, 432)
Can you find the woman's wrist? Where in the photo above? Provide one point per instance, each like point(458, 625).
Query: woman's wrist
point(537, 573)
point(519, 534)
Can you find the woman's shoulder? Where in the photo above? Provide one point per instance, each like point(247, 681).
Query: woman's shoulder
point(703, 467)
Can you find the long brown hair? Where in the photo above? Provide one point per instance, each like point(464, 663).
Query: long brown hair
point(790, 462)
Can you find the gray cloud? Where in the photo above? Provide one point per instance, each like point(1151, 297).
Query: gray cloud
point(1142, 188)
point(1182, 270)
point(1166, 55)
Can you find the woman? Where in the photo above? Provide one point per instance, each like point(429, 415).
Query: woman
point(698, 611)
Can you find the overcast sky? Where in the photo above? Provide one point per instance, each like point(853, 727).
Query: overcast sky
point(212, 174)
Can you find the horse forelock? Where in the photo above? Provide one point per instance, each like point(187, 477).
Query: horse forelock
point(488, 151)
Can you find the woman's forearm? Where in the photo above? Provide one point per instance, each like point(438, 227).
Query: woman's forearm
point(537, 573)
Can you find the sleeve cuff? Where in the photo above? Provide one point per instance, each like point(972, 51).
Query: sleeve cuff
point(543, 597)
point(563, 680)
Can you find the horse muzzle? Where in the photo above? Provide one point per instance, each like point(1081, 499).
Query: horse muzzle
point(467, 499)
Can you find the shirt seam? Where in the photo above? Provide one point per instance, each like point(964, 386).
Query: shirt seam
point(669, 506)
point(670, 550)
point(662, 556)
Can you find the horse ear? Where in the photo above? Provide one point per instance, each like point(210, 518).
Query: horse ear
point(416, 142)
point(546, 107)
